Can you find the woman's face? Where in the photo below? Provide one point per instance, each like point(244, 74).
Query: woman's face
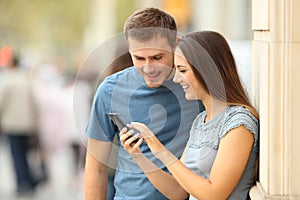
point(185, 76)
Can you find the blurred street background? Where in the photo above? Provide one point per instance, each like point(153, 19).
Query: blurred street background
point(64, 184)
point(53, 39)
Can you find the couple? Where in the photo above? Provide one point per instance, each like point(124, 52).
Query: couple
point(220, 143)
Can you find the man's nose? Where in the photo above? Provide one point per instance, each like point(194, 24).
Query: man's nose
point(148, 67)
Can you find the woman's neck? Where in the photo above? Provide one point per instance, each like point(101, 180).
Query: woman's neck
point(213, 107)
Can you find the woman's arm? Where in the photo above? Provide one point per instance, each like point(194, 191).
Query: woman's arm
point(163, 181)
point(228, 167)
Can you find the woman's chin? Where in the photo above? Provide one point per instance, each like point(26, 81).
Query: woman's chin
point(190, 97)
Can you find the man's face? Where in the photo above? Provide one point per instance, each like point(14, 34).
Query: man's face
point(153, 59)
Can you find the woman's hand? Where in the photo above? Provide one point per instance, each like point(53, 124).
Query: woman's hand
point(148, 136)
point(127, 137)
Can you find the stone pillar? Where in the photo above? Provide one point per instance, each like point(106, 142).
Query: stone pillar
point(230, 17)
point(276, 75)
point(102, 23)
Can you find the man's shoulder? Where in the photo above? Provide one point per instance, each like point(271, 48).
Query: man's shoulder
point(130, 71)
point(128, 78)
point(117, 79)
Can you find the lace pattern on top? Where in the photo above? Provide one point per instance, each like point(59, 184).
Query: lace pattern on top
point(210, 133)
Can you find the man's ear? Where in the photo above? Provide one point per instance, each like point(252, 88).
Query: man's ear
point(176, 42)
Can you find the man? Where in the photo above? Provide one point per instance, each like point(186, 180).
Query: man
point(143, 93)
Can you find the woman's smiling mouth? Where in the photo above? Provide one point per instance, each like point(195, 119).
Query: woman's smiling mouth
point(185, 87)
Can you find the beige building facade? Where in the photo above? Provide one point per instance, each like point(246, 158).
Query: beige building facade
point(276, 77)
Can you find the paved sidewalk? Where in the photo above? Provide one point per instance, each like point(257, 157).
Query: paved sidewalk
point(62, 184)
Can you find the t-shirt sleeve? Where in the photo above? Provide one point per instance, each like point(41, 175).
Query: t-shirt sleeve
point(241, 117)
point(100, 127)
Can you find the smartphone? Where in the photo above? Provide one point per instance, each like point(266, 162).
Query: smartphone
point(119, 123)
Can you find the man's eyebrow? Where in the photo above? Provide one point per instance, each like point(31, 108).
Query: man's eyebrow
point(156, 55)
point(159, 54)
point(137, 56)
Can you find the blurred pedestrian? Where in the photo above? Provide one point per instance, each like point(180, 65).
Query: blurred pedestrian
point(18, 121)
point(48, 89)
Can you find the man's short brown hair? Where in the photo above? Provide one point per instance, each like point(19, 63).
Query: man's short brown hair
point(147, 23)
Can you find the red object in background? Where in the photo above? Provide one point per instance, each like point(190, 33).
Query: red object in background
point(5, 55)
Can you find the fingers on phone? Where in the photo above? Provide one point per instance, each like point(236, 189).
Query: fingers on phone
point(134, 145)
point(132, 138)
point(124, 130)
point(125, 135)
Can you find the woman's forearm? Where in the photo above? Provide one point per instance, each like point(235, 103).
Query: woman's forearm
point(163, 181)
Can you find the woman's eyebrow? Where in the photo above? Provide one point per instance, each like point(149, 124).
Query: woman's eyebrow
point(179, 66)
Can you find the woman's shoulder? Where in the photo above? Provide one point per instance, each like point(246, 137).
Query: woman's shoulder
point(239, 116)
point(236, 111)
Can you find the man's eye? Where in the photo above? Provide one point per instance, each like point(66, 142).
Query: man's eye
point(140, 58)
point(157, 57)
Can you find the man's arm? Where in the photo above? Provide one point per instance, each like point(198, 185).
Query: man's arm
point(95, 183)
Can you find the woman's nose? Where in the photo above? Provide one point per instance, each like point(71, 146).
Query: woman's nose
point(176, 77)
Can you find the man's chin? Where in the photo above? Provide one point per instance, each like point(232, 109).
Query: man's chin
point(153, 85)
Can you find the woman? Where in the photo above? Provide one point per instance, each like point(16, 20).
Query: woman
point(221, 153)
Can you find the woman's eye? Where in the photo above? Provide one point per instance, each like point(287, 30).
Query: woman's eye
point(182, 71)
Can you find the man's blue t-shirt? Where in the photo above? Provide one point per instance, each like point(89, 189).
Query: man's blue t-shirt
point(164, 110)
